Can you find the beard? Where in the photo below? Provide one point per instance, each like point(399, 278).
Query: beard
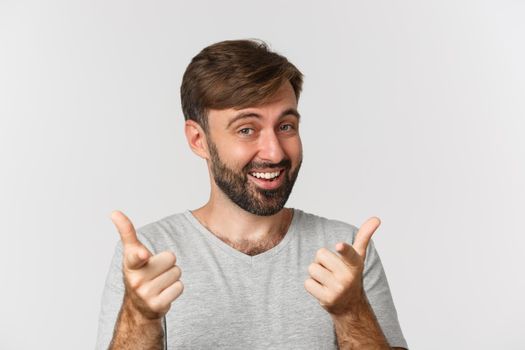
point(243, 192)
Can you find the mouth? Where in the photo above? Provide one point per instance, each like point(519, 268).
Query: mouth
point(267, 179)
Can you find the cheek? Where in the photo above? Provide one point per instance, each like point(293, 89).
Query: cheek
point(294, 149)
point(240, 155)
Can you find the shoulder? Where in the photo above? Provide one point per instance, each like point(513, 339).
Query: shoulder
point(331, 229)
point(161, 233)
point(165, 224)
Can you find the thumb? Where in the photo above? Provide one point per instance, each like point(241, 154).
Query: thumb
point(364, 235)
point(136, 254)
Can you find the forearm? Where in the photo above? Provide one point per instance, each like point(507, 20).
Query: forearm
point(134, 331)
point(358, 328)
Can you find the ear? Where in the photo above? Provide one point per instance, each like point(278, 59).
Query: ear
point(196, 138)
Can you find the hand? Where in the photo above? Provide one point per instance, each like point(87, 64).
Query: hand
point(337, 281)
point(152, 281)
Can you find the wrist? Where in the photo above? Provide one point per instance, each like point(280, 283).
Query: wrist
point(137, 316)
point(358, 328)
point(356, 305)
point(134, 330)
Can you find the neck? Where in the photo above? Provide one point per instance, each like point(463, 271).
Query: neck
point(247, 232)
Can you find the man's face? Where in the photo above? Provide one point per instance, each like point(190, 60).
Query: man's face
point(248, 147)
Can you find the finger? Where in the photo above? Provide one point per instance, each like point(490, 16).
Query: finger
point(135, 253)
point(158, 264)
point(364, 234)
point(163, 281)
point(125, 228)
point(168, 295)
point(313, 287)
point(321, 275)
point(330, 261)
point(348, 254)
point(135, 257)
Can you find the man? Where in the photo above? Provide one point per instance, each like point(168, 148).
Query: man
point(256, 275)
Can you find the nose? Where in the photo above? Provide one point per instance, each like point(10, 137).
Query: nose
point(270, 148)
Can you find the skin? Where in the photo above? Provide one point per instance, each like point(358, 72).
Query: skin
point(152, 283)
point(265, 144)
point(272, 139)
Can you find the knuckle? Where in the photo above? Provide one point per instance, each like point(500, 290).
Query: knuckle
point(309, 284)
point(177, 271)
point(169, 257)
point(154, 304)
point(350, 281)
point(345, 285)
point(311, 268)
point(330, 299)
point(180, 286)
point(322, 253)
point(345, 280)
point(134, 281)
point(340, 288)
point(306, 282)
point(166, 309)
point(319, 254)
point(145, 291)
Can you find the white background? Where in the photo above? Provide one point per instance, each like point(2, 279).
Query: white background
point(412, 111)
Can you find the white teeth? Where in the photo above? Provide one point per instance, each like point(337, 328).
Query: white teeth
point(266, 175)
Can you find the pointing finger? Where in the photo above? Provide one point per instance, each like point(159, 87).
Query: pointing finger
point(364, 234)
point(136, 254)
point(125, 228)
point(348, 254)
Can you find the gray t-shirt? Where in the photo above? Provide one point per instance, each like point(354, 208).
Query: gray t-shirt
point(235, 301)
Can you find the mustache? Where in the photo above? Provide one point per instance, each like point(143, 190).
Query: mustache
point(285, 163)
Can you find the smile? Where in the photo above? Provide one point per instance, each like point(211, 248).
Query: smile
point(267, 180)
point(266, 176)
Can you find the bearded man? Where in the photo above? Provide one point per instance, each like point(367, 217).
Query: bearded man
point(256, 275)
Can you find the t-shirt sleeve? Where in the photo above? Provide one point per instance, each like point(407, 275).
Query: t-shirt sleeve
point(380, 298)
point(113, 295)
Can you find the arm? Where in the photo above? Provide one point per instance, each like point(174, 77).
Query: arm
point(337, 282)
point(133, 331)
point(151, 284)
point(359, 329)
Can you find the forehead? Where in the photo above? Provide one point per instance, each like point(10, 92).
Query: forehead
point(284, 100)
point(284, 94)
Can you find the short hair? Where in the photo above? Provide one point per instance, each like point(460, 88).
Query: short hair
point(234, 74)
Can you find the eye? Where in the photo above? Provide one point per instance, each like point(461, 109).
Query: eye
point(286, 127)
point(246, 131)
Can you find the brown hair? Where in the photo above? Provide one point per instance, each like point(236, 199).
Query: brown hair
point(234, 74)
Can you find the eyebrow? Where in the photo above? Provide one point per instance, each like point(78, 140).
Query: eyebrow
point(242, 115)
